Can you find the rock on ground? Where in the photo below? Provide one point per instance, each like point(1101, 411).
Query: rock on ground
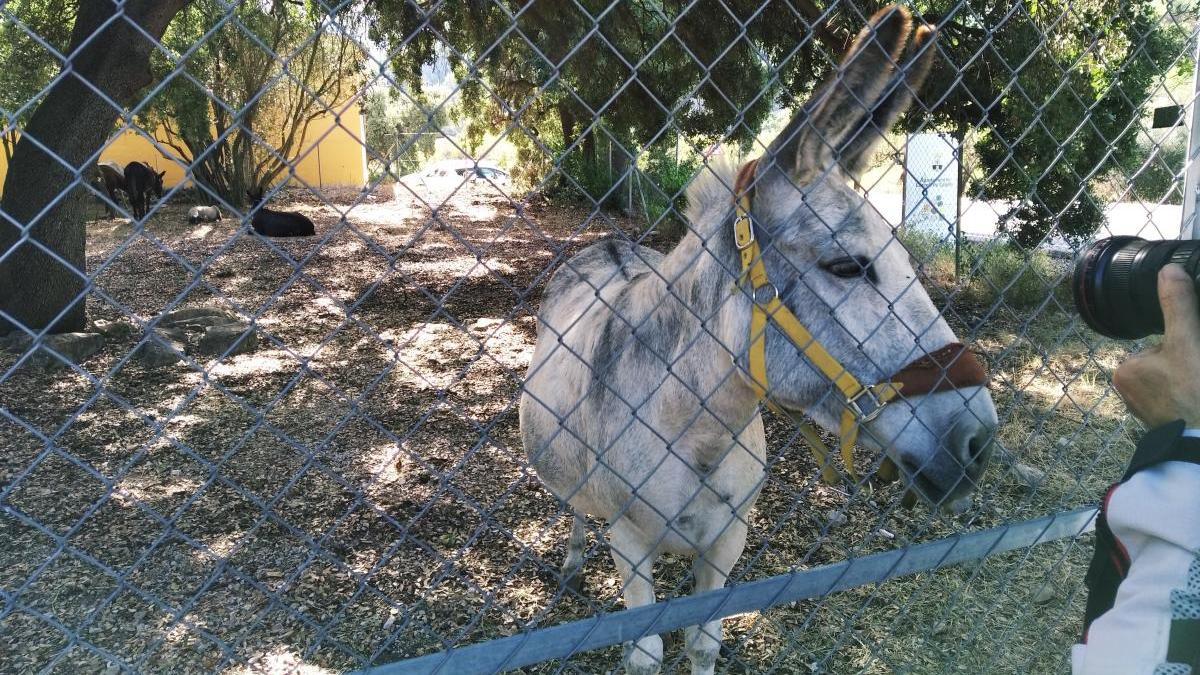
point(15, 341)
point(1030, 476)
point(836, 518)
point(197, 318)
point(113, 330)
point(203, 214)
point(163, 347)
point(961, 505)
point(231, 338)
point(74, 347)
point(1046, 593)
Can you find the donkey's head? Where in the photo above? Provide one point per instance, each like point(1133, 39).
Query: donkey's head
point(838, 266)
point(156, 184)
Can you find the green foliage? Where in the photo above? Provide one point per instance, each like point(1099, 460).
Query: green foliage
point(1073, 205)
point(239, 119)
point(1153, 172)
point(26, 66)
point(992, 273)
point(651, 66)
point(1084, 69)
point(664, 191)
point(1051, 87)
point(587, 181)
point(655, 190)
point(401, 133)
point(1019, 278)
point(929, 251)
point(557, 65)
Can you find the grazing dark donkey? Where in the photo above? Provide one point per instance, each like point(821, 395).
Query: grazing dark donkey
point(642, 403)
point(277, 223)
point(112, 179)
point(142, 184)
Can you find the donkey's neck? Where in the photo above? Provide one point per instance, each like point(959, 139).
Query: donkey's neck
point(701, 269)
point(692, 295)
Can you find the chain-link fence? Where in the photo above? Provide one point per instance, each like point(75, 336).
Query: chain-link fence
point(505, 355)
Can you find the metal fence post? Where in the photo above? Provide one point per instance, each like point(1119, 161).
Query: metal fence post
point(1187, 227)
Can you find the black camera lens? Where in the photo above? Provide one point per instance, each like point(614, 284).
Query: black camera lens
point(1116, 283)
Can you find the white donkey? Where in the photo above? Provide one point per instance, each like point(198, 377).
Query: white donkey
point(641, 406)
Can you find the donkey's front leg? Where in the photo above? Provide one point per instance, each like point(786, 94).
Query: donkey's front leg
point(710, 570)
point(634, 558)
point(572, 566)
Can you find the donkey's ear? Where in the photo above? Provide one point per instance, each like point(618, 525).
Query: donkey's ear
point(813, 142)
point(858, 146)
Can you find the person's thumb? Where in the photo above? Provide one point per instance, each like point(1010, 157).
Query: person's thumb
point(1180, 306)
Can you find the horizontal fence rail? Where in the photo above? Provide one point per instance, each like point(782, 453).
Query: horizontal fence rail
point(561, 642)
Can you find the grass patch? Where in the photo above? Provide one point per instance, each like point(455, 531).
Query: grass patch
point(989, 273)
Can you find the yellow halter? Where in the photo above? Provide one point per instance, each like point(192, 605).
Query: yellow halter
point(767, 305)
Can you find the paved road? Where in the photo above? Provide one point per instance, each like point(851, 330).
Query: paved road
point(980, 218)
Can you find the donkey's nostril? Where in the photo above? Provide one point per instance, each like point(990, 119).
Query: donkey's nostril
point(972, 441)
point(977, 445)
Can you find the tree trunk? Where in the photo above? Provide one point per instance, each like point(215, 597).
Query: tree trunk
point(589, 147)
point(567, 119)
point(43, 270)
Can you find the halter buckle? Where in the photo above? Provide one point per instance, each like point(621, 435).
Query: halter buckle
point(772, 293)
point(743, 232)
point(854, 406)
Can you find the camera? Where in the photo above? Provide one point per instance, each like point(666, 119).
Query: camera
point(1115, 283)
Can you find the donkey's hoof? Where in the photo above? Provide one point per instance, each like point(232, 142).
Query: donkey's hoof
point(644, 657)
point(573, 583)
point(641, 665)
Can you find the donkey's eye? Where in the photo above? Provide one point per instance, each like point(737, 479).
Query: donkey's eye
point(849, 267)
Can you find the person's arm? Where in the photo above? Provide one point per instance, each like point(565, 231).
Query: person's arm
point(1151, 520)
point(1154, 520)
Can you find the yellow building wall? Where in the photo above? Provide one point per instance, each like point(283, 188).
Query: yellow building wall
point(332, 154)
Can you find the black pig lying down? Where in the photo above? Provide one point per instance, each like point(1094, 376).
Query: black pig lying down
point(277, 223)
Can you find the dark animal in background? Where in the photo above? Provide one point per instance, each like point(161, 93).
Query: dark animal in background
point(142, 184)
point(203, 214)
point(112, 180)
point(277, 223)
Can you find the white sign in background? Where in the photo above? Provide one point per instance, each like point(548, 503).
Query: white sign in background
point(931, 184)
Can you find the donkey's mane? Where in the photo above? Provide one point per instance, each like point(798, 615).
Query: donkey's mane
point(711, 189)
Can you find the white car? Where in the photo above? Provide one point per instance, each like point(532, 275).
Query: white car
point(487, 174)
point(451, 175)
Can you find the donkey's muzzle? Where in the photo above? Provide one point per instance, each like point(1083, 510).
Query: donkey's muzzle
point(956, 469)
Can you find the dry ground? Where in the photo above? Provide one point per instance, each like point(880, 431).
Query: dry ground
point(354, 491)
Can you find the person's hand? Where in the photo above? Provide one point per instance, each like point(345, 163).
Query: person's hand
point(1162, 384)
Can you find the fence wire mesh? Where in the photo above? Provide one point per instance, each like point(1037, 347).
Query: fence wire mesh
point(226, 451)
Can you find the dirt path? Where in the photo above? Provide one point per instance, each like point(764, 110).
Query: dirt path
point(355, 489)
